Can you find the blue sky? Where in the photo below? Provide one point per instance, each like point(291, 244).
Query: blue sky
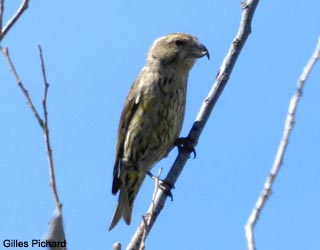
point(93, 51)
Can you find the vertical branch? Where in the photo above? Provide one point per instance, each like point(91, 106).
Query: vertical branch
point(56, 231)
point(289, 123)
point(248, 9)
point(1, 16)
point(42, 122)
point(46, 132)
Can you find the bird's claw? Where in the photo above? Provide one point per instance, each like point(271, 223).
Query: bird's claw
point(162, 184)
point(166, 188)
point(186, 144)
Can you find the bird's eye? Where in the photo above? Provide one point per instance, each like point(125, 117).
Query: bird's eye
point(179, 42)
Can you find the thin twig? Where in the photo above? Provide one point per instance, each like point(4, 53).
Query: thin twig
point(43, 123)
point(5, 51)
point(56, 231)
point(1, 16)
point(289, 124)
point(248, 9)
point(24, 5)
point(46, 132)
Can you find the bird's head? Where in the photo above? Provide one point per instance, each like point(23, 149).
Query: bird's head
point(178, 49)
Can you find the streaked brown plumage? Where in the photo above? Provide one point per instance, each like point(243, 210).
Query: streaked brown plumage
point(152, 116)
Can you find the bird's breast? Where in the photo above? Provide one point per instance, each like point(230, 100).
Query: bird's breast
point(158, 120)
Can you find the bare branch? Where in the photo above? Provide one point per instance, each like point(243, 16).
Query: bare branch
point(289, 123)
point(24, 5)
point(116, 246)
point(43, 123)
point(5, 51)
point(1, 15)
point(46, 132)
point(56, 231)
point(248, 9)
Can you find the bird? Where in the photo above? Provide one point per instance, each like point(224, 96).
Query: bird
point(152, 115)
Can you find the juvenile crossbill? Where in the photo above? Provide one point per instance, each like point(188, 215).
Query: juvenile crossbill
point(152, 116)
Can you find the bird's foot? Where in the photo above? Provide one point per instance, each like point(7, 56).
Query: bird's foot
point(186, 144)
point(166, 188)
point(162, 184)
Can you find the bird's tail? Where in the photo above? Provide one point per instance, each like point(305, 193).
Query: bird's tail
point(129, 189)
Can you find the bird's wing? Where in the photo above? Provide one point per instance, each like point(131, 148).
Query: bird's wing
point(130, 107)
